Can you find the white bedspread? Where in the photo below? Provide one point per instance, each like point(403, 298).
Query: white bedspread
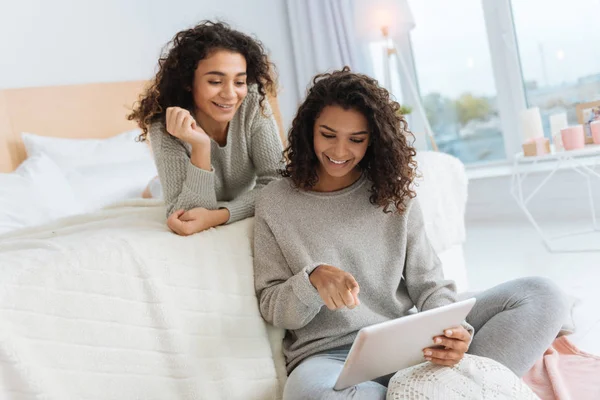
point(442, 191)
point(113, 306)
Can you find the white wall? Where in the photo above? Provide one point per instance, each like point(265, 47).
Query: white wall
point(55, 42)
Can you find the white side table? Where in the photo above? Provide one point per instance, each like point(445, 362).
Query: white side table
point(576, 160)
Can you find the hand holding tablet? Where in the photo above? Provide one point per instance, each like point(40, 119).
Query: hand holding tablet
point(390, 346)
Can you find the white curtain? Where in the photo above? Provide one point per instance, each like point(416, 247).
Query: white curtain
point(324, 38)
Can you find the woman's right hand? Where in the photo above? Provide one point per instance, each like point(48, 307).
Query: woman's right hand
point(181, 124)
point(337, 288)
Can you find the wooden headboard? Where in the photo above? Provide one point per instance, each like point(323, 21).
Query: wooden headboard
point(95, 110)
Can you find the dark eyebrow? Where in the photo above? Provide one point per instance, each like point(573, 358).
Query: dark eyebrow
point(328, 128)
point(333, 130)
point(222, 74)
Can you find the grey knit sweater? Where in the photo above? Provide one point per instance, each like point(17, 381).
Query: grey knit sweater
point(248, 162)
point(389, 255)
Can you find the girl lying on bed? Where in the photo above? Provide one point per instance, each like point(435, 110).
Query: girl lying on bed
point(213, 134)
point(344, 230)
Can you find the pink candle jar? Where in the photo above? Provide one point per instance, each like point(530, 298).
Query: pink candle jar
point(573, 137)
point(595, 128)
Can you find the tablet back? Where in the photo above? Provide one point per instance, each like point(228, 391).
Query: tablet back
point(393, 345)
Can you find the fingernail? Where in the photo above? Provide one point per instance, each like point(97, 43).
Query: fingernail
point(428, 358)
point(449, 332)
point(438, 340)
point(427, 353)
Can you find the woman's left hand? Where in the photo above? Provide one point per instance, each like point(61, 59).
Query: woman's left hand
point(196, 220)
point(450, 348)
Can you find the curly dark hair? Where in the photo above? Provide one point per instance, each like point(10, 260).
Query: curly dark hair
point(177, 65)
point(389, 160)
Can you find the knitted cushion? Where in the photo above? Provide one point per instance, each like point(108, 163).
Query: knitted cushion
point(473, 378)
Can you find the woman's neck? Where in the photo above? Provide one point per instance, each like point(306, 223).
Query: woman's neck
point(217, 131)
point(328, 183)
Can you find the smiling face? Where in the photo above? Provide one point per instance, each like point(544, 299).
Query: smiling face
point(341, 139)
point(219, 86)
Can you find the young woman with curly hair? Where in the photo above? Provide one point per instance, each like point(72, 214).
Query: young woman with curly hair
point(344, 230)
point(212, 131)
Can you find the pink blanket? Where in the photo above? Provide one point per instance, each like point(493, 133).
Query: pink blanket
point(565, 373)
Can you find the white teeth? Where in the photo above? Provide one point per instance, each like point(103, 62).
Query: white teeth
point(226, 106)
point(336, 162)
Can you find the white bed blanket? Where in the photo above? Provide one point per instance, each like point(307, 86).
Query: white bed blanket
point(442, 191)
point(112, 305)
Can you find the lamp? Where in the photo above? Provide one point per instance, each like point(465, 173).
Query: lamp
point(372, 15)
point(388, 19)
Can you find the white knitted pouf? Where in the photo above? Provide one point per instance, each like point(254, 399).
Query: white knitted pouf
point(474, 378)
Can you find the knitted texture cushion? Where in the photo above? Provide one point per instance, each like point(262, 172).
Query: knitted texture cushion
point(476, 378)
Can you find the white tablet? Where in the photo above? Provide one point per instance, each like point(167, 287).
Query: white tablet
point(393, 345)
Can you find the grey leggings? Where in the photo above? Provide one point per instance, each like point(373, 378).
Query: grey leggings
point(514, 322)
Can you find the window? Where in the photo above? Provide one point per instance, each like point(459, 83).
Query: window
point(379, 59)
point(479, 63)
point(558, 47)
point(456, 80)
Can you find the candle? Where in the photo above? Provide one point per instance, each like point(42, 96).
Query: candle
point(573, 137)
point(531, 124)
point(595, 128)
point(558, 122)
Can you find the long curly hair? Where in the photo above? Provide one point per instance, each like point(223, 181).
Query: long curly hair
point(389, 160)
point(177, 65)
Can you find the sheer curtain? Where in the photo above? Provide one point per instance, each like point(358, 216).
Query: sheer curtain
point(324, 38)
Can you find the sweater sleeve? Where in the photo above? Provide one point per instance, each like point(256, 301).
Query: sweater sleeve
point(423, 270)
point(185, 186)
point(266, 152)
point(286, 300)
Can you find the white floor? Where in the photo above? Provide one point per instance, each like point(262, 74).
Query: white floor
point(502, 249)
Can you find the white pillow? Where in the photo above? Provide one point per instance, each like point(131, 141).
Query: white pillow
point(100, 171)
point(101, 185)
point(74, 153)
point(155, 188)
point(37, 192)
point(473, 377)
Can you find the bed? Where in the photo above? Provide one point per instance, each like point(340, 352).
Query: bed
point(109, 304)
point(70, 150)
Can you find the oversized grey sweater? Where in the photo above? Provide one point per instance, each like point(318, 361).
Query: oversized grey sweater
point(248, 162)
point(389, 255)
